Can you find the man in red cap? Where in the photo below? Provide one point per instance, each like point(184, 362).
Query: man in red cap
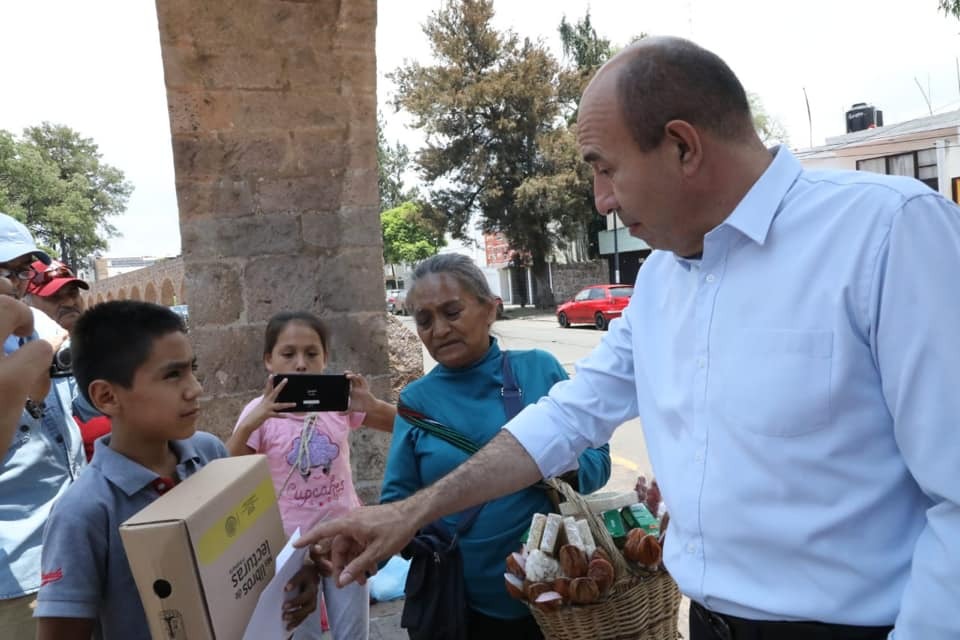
point(55, 290)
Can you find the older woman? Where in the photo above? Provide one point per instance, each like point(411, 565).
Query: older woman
point(454, 309)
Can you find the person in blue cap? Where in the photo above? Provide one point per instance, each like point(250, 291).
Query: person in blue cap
point(42, 451)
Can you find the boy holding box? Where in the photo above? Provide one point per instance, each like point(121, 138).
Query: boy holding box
point(133, 362)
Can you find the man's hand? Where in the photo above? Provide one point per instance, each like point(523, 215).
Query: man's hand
point(16, 318)
point(358, 541)
point(304, 585)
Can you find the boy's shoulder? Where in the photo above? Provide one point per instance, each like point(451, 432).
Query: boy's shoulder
point(89, 497)
point(206, 445)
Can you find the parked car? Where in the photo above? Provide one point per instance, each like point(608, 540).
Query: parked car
point(596, 305)
point(396, 301)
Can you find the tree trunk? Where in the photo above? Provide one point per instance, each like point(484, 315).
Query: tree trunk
point(542, 293)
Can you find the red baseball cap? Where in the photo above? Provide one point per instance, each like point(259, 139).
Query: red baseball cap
point(51, 278)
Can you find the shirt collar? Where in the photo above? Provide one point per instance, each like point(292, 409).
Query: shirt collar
point(130, 476)
point(754, 215)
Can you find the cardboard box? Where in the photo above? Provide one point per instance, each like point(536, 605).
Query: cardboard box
point(202, 553)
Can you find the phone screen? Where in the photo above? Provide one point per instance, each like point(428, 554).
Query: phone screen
point(314, 392)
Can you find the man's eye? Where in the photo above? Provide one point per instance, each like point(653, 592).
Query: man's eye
point(172, 375)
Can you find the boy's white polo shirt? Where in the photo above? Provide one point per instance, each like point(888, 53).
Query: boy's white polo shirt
point(85, 573)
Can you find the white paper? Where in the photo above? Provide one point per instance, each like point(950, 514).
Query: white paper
point(267, 620)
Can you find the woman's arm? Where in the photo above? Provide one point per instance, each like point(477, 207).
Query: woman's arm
point(401, 478)
point(594, 471)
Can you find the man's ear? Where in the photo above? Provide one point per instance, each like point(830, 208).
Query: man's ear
point(684, 138)
point(103, 397)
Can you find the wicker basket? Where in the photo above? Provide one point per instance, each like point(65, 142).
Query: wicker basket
point(641, 605)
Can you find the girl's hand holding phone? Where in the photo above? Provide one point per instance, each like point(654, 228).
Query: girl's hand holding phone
point(268, 407)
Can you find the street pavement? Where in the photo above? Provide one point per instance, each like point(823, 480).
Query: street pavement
point(628, 451)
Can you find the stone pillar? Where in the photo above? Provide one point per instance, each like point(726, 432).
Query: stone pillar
point(273, 121)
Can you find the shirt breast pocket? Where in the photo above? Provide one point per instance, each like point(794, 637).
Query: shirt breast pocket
point(777, 382)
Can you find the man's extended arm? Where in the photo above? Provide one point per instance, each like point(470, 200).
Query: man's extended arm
point(577, 414)
point(360, 539)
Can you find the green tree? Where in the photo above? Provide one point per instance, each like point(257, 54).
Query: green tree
point(769, 128)
point(950, 7)
point(488, 106)
point(54, 182)
point(585, 52)
point(392, 162)
point(408, 235)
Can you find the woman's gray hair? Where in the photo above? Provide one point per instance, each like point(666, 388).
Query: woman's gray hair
point(460, 267)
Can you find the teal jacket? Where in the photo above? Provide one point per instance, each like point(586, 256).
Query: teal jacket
point(468, 400)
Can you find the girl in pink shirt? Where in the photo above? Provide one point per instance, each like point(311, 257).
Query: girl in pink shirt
point(312, 481)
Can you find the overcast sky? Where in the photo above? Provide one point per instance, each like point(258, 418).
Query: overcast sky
point(95, 66)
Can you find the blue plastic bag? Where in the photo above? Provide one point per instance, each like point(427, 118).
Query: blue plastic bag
point(388, 582)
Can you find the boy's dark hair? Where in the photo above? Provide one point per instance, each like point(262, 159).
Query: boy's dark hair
point(111, 340)
point(279, 322)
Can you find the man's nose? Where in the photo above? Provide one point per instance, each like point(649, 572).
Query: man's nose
point(603, 198)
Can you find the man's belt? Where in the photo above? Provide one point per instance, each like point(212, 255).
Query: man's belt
point(726, 627)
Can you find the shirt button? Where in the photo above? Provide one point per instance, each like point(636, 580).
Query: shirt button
point(701, 362)
point(698, 456)
point(711, 277)
point(691, 548)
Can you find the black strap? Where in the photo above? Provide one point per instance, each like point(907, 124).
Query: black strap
point(438, 429)
point(511, 392)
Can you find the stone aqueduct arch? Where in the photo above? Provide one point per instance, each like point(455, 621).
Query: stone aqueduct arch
point(162, 282)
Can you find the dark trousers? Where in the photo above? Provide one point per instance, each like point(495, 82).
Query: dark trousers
point(486, 628)
point(706, 625)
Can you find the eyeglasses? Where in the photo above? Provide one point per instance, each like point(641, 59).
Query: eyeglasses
point(54, 271)
point(21, 274)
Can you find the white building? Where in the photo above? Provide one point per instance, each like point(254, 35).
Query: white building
point(927, 149)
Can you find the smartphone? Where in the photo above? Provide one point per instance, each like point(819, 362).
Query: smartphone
point(314, 392)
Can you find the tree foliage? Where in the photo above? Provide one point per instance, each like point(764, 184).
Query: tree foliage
point(392, 162)
point(53, 181)
point(769, 128)
point(586, 52)
point(491, 107)
point(408, 236)
point(950, 7)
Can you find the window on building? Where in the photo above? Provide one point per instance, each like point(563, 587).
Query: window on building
point(921, 165)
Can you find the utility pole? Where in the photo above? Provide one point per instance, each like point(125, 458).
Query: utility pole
point(616, 252)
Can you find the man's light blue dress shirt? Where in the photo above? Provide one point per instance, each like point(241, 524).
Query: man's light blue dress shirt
point(799, 388)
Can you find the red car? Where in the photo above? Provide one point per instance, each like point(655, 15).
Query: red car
point(596, 305)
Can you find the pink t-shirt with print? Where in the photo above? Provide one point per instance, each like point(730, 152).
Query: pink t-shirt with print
point(322, 484)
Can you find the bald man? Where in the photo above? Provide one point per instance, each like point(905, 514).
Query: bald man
point(791, 349)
